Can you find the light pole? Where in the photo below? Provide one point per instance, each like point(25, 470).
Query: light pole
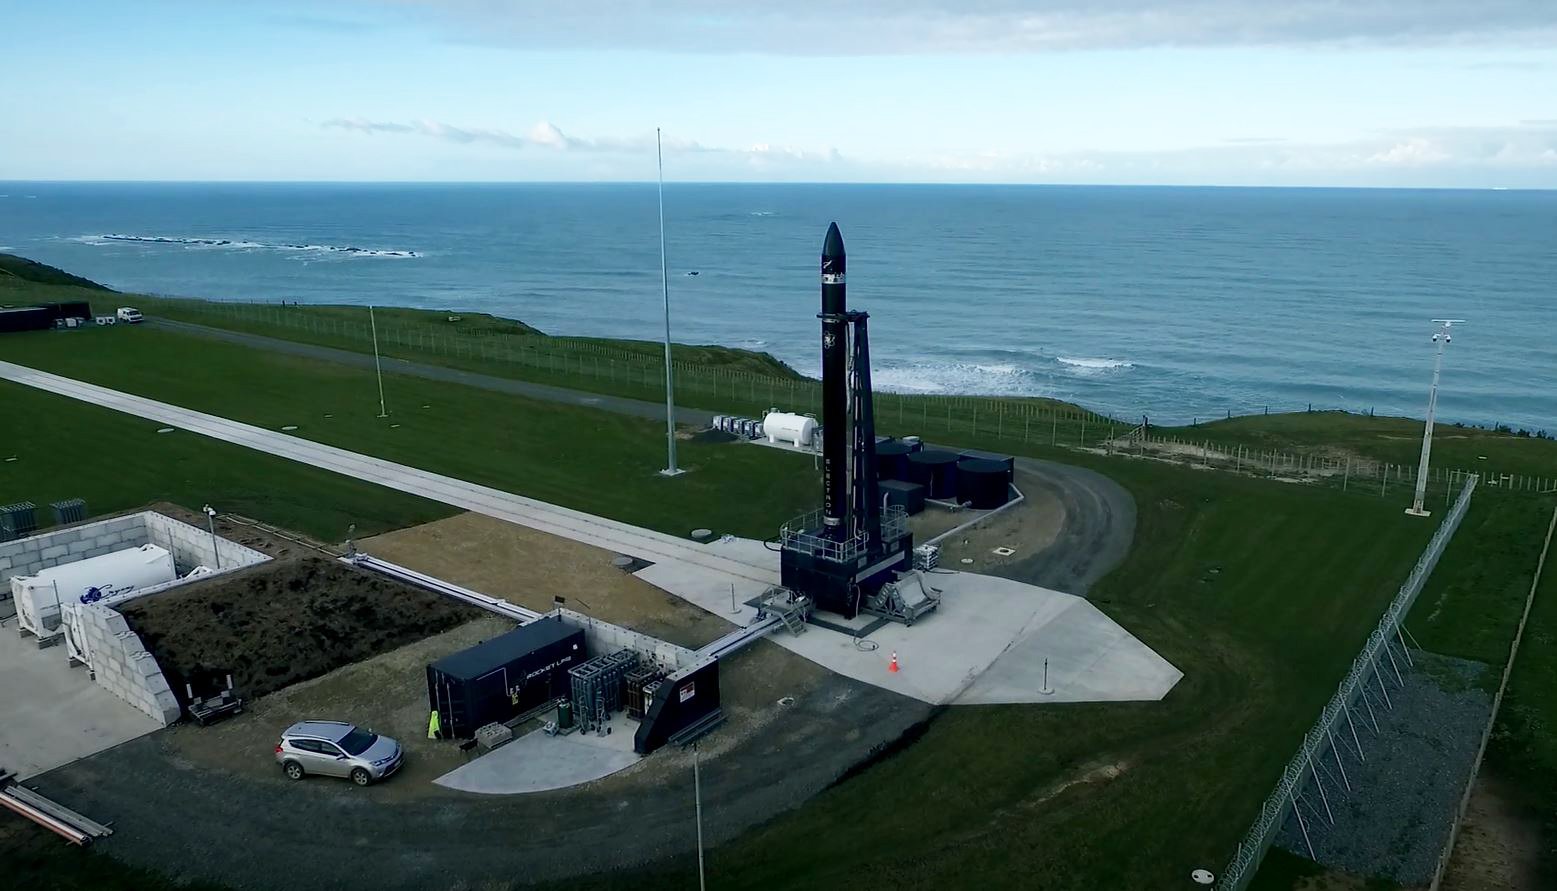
point(670, 379)
point(697, 792)
point(1441, 338)
point(210, 519)
point(378, 369)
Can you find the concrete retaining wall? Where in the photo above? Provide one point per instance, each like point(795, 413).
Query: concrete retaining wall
point(192, 546)
point(105, 642)
point(603, 637)
point(30, 556)
point(121, 665)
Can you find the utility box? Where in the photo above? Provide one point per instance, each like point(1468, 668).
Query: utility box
point(506, 676)
point(70, 511)
point(18, 520)
point(908, 496)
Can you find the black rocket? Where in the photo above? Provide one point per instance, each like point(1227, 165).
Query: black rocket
point(835, 397)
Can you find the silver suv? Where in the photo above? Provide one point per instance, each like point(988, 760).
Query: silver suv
point(336, 749)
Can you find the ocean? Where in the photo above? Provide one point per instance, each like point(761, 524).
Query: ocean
point(1177, 303)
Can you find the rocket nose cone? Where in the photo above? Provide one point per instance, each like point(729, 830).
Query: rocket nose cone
point(832, 246)
point(833, 261)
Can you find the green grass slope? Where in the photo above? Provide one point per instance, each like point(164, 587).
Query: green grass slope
point(23, 269)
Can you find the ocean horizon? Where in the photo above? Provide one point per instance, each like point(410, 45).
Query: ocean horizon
point(1178, 302)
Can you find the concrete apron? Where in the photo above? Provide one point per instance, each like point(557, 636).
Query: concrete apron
point(536, 762)
point(985, 644)
point(54, 714)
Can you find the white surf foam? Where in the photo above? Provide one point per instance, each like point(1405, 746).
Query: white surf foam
point(242, 245)
point(989, 379)
point(1091, 364)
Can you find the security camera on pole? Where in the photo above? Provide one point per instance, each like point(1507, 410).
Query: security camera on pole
point(1441, 338)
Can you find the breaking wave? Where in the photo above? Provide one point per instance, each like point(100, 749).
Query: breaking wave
point(1090, 364)
point(238, 244)
point(973, 378)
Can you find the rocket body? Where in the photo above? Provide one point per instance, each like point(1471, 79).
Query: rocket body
point(835, 385)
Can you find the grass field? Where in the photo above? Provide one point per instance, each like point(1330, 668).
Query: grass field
point(576, 457)
point(1393, 440)
point(1260, 592)
point(1232, 579)
point(740, 381)
point(1524, 740)
point(68, 449)
point(1256, 627)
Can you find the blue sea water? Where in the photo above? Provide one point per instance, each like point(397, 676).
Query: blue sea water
point(1173, 302)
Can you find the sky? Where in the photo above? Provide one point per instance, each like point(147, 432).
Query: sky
point(1398, 93)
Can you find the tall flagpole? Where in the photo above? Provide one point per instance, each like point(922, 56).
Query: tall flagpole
point(670, 381)
point(378, 369)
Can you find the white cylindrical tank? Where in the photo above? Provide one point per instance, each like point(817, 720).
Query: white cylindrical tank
point(38, 597)
point(781, 426)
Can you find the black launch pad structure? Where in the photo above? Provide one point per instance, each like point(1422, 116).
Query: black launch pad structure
point(843, 555)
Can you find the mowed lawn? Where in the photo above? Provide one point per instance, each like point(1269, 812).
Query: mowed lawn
point(580, 458)
point(68, 449)
point(1261, 592)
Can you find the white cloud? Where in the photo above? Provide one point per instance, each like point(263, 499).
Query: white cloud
point(865, 27)
point(1529, 147)
point(547, 136)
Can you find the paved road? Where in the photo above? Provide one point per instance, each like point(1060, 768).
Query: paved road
point(612, 535)
point(264, 833)
point(618, 404)
point(1095, 537)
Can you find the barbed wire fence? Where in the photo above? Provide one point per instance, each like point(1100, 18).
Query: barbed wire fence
point(623, 370)
point(1301, 790)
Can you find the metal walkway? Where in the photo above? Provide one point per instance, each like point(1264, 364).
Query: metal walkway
point(571, 524)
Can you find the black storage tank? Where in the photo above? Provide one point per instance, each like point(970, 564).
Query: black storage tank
point(909, 496)
point(1005, 460)
point(892, 460)
point(503, 677)
point(936, 471)
point(982, 483)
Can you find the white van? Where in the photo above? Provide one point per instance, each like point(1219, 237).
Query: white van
point(130, 314)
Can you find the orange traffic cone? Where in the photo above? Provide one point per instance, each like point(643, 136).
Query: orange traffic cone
point(893, 667)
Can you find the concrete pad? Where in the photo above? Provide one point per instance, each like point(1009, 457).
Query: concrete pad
point(985, 644)
point(54, 714)
point(536, 762)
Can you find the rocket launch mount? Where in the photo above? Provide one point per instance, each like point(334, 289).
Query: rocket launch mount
point(842, 556)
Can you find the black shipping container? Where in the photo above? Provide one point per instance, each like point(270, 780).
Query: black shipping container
point(503, 677)
point(909, 496)
point(26, 318)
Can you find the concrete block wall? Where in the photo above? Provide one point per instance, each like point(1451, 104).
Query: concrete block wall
point(604, 637)
point(191, 546)
point(121, 665)
point(32, 555)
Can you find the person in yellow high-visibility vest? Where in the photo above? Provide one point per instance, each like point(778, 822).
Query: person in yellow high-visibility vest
point(434, 726)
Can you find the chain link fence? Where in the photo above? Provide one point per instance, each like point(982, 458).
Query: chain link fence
point(1336, 717)
point(637, 370)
